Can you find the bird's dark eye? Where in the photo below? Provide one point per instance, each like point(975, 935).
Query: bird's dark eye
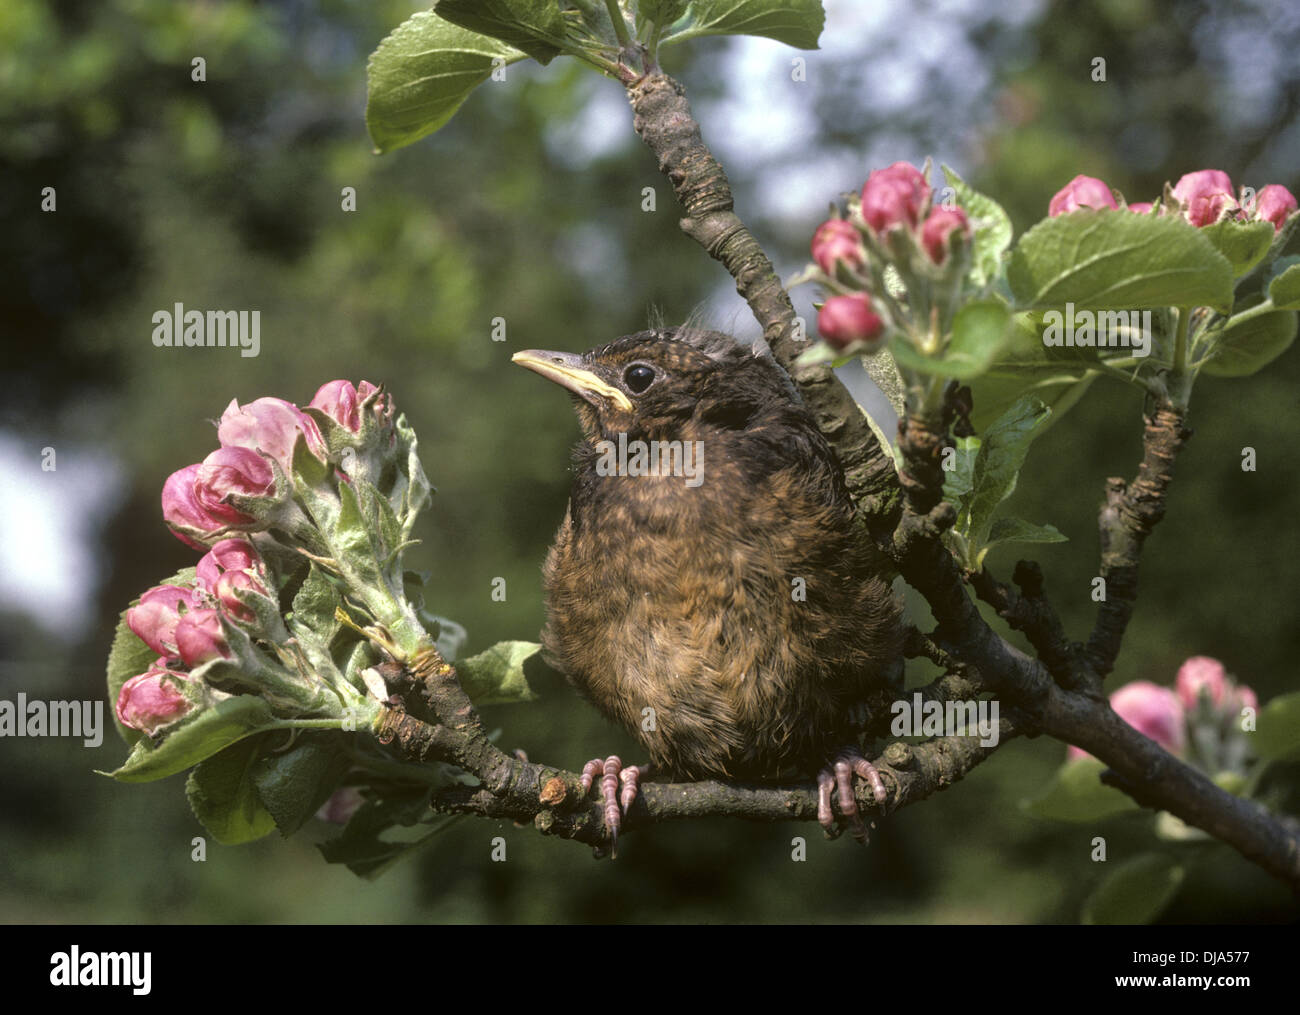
point(638, 377)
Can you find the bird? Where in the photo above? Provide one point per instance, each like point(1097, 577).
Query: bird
point(706, 589)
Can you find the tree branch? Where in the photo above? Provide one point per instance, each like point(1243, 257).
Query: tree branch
point(1147, 772)
point(662, 118)
point(556, 804)
point(1129, 515)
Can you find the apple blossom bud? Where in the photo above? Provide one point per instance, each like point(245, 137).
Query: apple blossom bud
point(341, 805)
point(1081, 192)
point(227, 555)
point(1153, 711)
point(228, 472)
point(199, 637)
point(151, 699)
point(155, 617)
point(1245, 698)
point(1273, 204)
point(849, 320)
point(181, 508)
point(938, 228)
point(1141, 207)
point(1205, 195)
point(892, 197)
point(341, 402)
point(226, 587)
point(834, 241)
point(1201, 673)
point(195, 498)
point(271, 426)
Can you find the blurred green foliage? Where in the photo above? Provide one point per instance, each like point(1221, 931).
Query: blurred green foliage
point(227, 193)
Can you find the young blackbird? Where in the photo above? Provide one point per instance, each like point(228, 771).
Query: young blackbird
point(717, 605)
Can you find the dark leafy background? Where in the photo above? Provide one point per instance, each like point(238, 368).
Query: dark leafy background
point(226, 194)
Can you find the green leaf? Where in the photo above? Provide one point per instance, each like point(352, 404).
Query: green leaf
point(960, 479)
point(315, 603)
point(1056, 376)
point(223, 797)
point(1076, 793)
point(353, 541)
point(1249, 342)
point(1116, 260)
point(992, 227)
point(1284, 286)
point(535, 27)
point(1244, 244)
point(997, 465)
point(662, 12)
point(1136, 891)
point(129, 657)
point(797, 23)
point(979, 331)
point(496, 676)
point(1277, 729)
point(199, 735)
point(420, 75)
point(361, 846)
point(1017, 530)
point(292, 785)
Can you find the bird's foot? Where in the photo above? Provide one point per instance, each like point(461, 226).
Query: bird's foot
point(618, 788)
point(838, 775)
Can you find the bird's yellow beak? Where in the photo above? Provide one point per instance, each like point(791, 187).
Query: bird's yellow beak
point(566, 370)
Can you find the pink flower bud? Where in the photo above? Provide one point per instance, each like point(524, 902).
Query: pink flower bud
point(1141, 207)
point(1205, 195)
point(227, 555)
point(271, 426)
point(834, 241)
point(340, 807)
point(341, 402)
point(1245, 698)
point(151, 699)
point(228, 472)
point(847, 320)
point(1081, 192)
point(893, 197)
point(1153, 711)
point(1201, 672)
point(1273, 204)
point(228, 584)
point(937, 230)
point(199, 637)
point(155, 617)
point(181, 508)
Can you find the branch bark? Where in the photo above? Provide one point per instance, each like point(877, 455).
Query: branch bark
point(555, 802)
point(662, 119)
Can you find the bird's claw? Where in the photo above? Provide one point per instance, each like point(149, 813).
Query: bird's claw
point(838, 775)
point(618, 788)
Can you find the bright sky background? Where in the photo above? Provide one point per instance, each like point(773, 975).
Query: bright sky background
point(47, 562)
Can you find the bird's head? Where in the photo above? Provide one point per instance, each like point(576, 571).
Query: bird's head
point(668, 384)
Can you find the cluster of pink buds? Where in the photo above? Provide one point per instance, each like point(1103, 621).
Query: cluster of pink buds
point(1203, 198)
point(183, 624)
point(893, 222)
point(246, 487)
point(1200, 719)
